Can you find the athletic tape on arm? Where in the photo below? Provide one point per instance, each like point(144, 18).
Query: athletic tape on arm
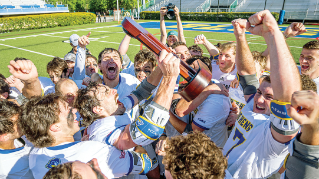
point(280, 121)
point(144, 90)
point(249, 83)
point(150, 126)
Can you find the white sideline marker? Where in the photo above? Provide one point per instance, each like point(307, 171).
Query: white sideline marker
point(27, 50)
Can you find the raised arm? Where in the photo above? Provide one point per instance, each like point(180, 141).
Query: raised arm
point(244, 60)
point(26, 71)
point(163, 12)
point(149, 127)
point(180, 31)
point(124, 45)
point(201, 39)
point(285, 78)
point(79, 68)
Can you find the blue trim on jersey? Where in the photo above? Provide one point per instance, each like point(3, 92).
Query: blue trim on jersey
point(198, 125)
point(11, 150)
point(132, 100)
point(117, 86)
point(60, 147)
point(131, 163)
point(110, 134)
point(251, 97)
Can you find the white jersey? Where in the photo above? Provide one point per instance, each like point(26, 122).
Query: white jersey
point(237, 95)
point(14, 164)
point(113, 163)
point(107, 130)
point(251, 150)
point(224, 78)
point(127, 84)
point(129, 69)
point(211, 117)
point(47, 87)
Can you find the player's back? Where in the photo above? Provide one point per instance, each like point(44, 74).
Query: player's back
point(14, 164)
point(43, 159)
point(251, 150)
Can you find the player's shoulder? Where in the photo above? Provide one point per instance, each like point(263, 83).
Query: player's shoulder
point(129, 79)
point(45, 81)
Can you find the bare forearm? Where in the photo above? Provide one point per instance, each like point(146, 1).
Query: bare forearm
point(212, 50)
point(124, 45)
point(181, 37)
point(163, 30)
point(310, 135)
point(285, 78)
point(244, 59)
point(176, 123)
point(31, 88)
point(165, 91)
point(183, 107)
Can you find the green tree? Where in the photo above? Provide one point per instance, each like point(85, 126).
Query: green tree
point(98, 5)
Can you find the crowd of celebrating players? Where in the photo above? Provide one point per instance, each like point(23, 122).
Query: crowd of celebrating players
point(107, 116)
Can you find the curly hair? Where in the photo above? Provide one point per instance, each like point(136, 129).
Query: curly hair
point(4, 87)
point(196, 48)
point(62, 171)
point(37, 115)
point(227, 46)
point(109, 50)
point(312, 45)
point(7, 111)
point(2, 76)
point(57, 65)
point(194, 156)
point(91, 56)
point(176, 44)
point(307, 83)
point(145, 55)
point(85, 104)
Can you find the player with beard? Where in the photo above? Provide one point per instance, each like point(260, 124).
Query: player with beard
point(309, 61)
point(263, 128)
point(109, 63)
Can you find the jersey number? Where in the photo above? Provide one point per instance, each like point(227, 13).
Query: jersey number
point(241, 138)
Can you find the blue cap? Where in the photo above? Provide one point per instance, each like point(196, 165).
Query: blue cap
point(172, 33)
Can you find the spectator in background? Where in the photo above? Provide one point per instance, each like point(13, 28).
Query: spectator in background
point(74, 44)
point(98, 17)
point(70, 60)
point(104, 16)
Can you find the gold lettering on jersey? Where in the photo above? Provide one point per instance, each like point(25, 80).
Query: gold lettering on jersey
point(244, 122)
point(239, 104)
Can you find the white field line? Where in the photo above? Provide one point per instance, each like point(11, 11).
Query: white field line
point(27, 50)
point(53, 33)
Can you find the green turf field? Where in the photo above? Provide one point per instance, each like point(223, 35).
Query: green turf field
point(42, 45)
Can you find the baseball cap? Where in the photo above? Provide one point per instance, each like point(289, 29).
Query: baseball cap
point(172, 33)
point(74, 39)
point(70, 57)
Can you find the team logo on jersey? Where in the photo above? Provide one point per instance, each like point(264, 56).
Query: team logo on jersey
point(53, 163)
point(244, 122)
point(139, 122)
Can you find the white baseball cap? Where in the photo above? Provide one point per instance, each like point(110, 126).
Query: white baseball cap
point(74, 39)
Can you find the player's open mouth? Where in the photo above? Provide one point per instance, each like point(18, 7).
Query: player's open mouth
point(304, 67)
point(141, 77)
point(259, 107)
point(92, 70)
point(111, 70)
